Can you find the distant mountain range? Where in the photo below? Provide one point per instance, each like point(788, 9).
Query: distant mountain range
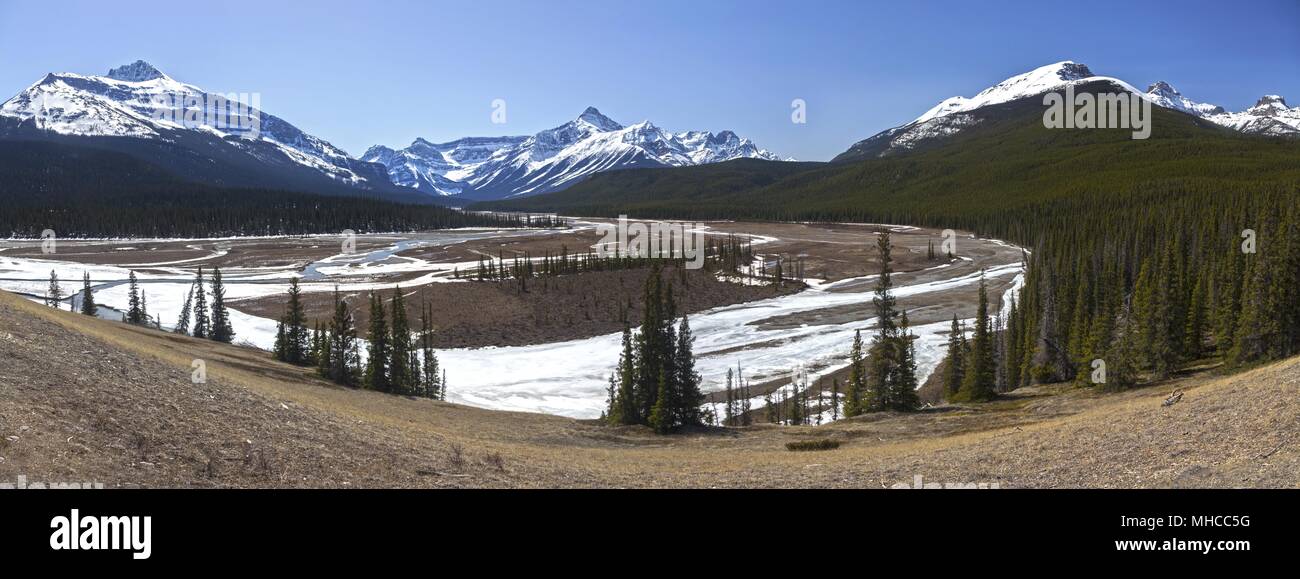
point(503, 167)
point(987, 155)
point(121, 111)
point(1270, 116)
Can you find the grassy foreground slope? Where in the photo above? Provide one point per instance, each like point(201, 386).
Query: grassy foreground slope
point(89, 400)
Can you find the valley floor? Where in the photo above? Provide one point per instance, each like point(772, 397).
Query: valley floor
point(93, 400)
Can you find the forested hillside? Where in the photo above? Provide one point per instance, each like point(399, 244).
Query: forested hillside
point(88, 192)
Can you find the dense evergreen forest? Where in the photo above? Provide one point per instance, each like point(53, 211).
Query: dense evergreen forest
point(95, 193)
point(1147, 255)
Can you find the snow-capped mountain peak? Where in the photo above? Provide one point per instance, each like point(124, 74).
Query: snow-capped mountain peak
point(593, 117)
point(555, 158)
point(1164, 94)
point(1038, 81)
point(138, 71)
point(1269, 104)
point(138, 101)
point(1269, 116)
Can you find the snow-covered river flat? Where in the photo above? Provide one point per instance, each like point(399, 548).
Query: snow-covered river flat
point(767, 338)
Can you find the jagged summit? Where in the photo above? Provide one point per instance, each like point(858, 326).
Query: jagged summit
point(1162, 87)
point(1270, 100)
point(593, 117)
point(1164, 94)
point(490, 168)
point(138, 71)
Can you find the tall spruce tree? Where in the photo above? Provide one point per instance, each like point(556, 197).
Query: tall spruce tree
point(903, 396)
point(400, 375)
point(952, 372)
point(886, 350)
point(202, 324)
point(730, 419)
point(88, 305)
point(134, 310)
point(379, 354)
point(978, 382)
point(222, 331)
point(54, 294)
point(688, 393)
point(856, 386)
point(343, 356)
point(428, 358)
point(183, 320)
point(295, 326)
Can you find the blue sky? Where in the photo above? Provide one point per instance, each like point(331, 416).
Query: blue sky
point(361, 73)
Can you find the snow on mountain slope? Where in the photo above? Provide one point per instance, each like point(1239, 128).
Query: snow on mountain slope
point(1035, 82)
point(436, 167)
point(491, 168)
point(954, 114)
point(1163, 94)
point(1270, 116)
point(139, 101)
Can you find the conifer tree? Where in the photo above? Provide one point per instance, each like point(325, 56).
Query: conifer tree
point(88, 305)
point(886, 350)
point(378, 357)
point(401, 354)
point(731, 401)
point(903, 396)
point(952, 373)
point(651, 346)
point(857, 380)
point(428, 358)
point(183, 321)
point(978, 382)
point(688, 395)
point(1121, 355)
point(222, 331)
point(278, 349)
point(323, 351)
point(625, 410)
point(835, 399)
point(54, 295)
point(1050, 356)
point(145, 318)
point(295, 326)
point(746, 402)
point(202, 324)
point(343, 357)
point(661, 414)
point(134, 311)
point(1194, 334)
point(1150, 313)
point(1260, 334)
